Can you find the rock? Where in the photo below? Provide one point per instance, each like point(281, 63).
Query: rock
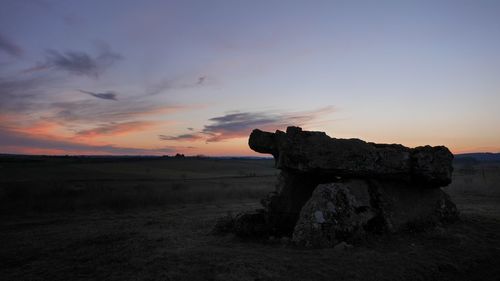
point(335, 212)
point(284, 205)
point(410, 207)
point(342, 246)
point(336, 190)
point(251, 225)
point(246, 225)
point(316, 152)
point(285, 240)
point(347, 210)
point(224, 225)
point(432, 163)
point(263, 142)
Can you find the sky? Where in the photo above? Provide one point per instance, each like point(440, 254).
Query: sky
point(195, 77)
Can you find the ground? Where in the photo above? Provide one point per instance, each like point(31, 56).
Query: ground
point(167, 235)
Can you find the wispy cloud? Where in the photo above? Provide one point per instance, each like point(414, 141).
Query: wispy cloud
point(35, 97)
point(169, 84)
point(183, 137)
point(105, 96)
point(22, 94)
point(17, 87)
point(201, 80)
point(94, 111)
point(116, 129)
point(10, 47)
point(240, 124)
point(20, 142)
point(78, 63)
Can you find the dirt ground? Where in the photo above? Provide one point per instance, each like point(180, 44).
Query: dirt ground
point(174, 242)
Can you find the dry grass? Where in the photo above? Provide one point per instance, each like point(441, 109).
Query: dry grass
point(176, 244)
point(171, 240)
point(69, 185)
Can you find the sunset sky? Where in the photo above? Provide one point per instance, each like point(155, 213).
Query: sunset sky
point(195, 77)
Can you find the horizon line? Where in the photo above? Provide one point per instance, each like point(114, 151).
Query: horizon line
point(173, 155)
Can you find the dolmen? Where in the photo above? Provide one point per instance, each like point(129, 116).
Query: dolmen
point(338, 190)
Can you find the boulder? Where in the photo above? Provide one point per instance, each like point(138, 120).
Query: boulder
point(410, 207)
point(251, 225)
point(335, 212)
point(283, 206)
point(347, 210)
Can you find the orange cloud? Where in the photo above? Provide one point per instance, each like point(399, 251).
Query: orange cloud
point(114, 129)
point(19, 142)
point(39, 128)
point(183, 137)
point(154, 111)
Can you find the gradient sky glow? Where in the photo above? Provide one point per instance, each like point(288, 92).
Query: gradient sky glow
point(195, 77)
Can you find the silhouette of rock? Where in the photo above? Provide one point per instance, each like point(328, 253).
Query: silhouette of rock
point(331, 190)
point(305, 151)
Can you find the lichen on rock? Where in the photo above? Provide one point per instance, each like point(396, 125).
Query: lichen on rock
point(333, 214)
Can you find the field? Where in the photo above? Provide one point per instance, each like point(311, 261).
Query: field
point(151, 219)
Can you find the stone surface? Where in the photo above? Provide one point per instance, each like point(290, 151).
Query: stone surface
point(403, 206)
point(335, 212)
point(251, 225)
point(347, 210)
point(316, 152)
point(332, 190)
point(284, 205)
point(342, 246)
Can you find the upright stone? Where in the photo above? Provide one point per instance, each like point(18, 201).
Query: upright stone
point(335, 212)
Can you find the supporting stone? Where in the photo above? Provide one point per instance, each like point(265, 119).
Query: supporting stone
point(347, 210)
point(335, 212)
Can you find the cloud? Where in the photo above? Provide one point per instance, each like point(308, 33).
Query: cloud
point(17, 87)
point(201, 80)
point(240, 124)
point(20, 142)
point(116, 128)
point(168, 84)
point(78, 63)
point(22, 94)
point(10, 47)
point(105, 96)
point(183, 137)
point(35, 97)
point(158, 88)
point(88, 111)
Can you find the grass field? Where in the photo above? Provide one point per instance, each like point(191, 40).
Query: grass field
point(151, 219)
point(69, 184)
